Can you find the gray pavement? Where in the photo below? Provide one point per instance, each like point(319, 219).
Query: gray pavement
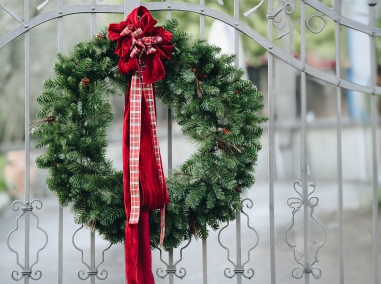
point(357, 241)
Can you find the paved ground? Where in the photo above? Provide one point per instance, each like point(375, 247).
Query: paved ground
point(357, 243)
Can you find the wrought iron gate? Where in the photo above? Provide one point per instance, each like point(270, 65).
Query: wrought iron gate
point(303, 202)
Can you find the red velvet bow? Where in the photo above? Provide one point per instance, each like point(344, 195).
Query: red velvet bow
point(135, 39)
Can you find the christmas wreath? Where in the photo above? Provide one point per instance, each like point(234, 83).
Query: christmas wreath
point(216, 109)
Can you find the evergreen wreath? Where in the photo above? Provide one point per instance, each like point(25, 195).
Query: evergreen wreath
point(216, 109)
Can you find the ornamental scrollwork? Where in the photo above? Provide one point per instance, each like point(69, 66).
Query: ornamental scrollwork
point(295, 234)
point(13, 14)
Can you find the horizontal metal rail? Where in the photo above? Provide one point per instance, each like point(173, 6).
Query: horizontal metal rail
point(57, 13)
point(344, 21)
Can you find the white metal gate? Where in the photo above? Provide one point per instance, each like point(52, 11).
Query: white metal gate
point(302, 202)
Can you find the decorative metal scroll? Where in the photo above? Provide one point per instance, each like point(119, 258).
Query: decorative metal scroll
point(171, 268)
point(14, 15)
point(281, 16)
point(26, 270)
point(251, 11)
point(41, 6)
point(238, 267)
point(92, 270)
point(295, 233)
point(309, 26)
point(282, 20)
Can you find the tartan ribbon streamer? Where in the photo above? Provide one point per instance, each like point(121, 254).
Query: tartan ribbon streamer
point(138, 90)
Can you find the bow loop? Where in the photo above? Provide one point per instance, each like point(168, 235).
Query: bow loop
point(131, 30)
point(143, 45)
point(140, 45)
point(137, 33)
point(137, 47)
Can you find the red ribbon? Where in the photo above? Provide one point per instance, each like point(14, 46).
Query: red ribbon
point(149, 43)
point(141, 48)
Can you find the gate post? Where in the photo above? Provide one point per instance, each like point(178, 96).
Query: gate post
point(130, 5)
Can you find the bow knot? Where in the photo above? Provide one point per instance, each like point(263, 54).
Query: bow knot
point(132, 31)
point(140, 45)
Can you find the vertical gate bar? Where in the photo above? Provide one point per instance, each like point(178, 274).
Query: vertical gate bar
point(339, 145)
point(238, 242)
point(93, 18)
point(204, 261)
point(92, 253)
point(238, 213)
point(92, 234)
point(169, 117)
point(304, 169)
point(129, 5)
point(169, 134)
point(271, 140)
point(60, 208)
point(60, 28)
point(236, 32)
point(169, 12)
point(60, 244)
point(204, 241)
point(27, 138)
point(27, 101)
point(376, 246)
point(202, 20)
point(170, 264)
point(374, 99)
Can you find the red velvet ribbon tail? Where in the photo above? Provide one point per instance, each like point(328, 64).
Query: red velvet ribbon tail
point(131, 253)
point(138, 252)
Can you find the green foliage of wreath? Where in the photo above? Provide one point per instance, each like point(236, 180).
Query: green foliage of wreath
point(216, 109)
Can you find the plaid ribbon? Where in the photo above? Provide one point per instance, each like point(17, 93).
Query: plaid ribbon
point(137, 90)
point(139, 46)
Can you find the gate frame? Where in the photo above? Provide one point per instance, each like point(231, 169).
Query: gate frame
point(28, 24)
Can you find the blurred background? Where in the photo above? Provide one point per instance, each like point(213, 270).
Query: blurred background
point(321, 121)
point(321, 101)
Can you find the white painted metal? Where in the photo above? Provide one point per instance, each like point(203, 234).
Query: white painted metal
point(271, 105)
point(60, 275)
point(339, 146)
point(26, 25)
point(375, 123)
